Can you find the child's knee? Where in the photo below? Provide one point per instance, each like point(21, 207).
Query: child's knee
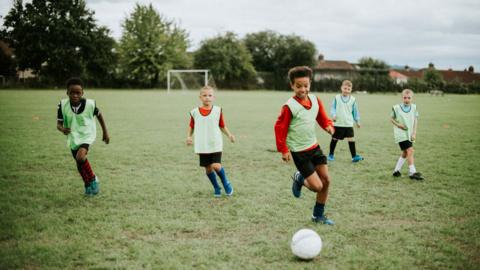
point(216, 166)
point(410, 151)
point(319, 187)
point(326, 182)
point(80, 158)
point(209, 168)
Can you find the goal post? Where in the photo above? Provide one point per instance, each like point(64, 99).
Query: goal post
point(173, 74)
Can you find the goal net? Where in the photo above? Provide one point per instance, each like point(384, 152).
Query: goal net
point(188, 79)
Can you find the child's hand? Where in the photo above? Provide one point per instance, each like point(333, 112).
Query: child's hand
point(65, 131)
point(334, 118)
point(358, 125)
point(232, 138)
point(106, 138)
point(414, 136)
point(286, 156)
point(189, 140)
point(330, 130)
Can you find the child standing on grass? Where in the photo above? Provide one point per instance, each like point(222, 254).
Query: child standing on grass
point(344, 112)
point(296, 138)
point(208, 123)
point(75, 118)
point(404, 118)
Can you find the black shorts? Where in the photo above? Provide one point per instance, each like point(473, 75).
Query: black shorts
point(74, 152)
point(207, 159)
point(405, 145)
point(307, 161)
point(343, 132)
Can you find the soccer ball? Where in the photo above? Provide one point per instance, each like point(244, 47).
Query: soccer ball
point(306, 244)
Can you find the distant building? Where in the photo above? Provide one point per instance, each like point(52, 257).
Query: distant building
point(334, 69)
point(398, 77)
point(466, 76)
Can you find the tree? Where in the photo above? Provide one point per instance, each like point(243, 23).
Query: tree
point(433, 78)
point(58, 39)
point(150, 46)
point(277, 53)
point(294, 51)
point(372, 63)
point(228, 59)
point(263, 47)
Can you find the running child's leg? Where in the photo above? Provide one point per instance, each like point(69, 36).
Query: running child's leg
point(353, 150)
point(319, 185)
point(209, 170)
point(400, 162)
point(85, 169)
point(333, 145)
point(322, 196)
point(223, 177)
point(412, 171)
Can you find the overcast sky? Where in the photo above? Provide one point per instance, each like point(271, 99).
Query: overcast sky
point(406, 32)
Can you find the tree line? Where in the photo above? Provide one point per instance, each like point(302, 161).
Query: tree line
point(60, 39)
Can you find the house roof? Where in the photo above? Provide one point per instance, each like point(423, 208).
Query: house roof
point(334, 65)
point(395, 74)
point(463, 76)
point(448, 75)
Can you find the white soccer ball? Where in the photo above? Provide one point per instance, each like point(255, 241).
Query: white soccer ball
point(306, 244)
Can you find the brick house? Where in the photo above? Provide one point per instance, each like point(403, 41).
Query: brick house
point(334, 69)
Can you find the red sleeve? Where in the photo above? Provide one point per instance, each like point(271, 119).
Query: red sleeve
point(281, 129)
point(322, 117)
point(221, 123)
point(192, 122)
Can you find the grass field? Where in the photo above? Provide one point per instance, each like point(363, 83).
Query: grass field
point(156, 208)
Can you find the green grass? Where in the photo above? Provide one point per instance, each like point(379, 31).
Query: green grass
point(156, 208)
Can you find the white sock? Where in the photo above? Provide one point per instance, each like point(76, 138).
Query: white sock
point(400, 162)
point(411, 169)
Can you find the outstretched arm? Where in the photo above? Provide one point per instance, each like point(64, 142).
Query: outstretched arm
point(356, 114)
point(414, 133)
point(189, 136)
point(228, 134)
point(281, 132)
point(106, 137)
point(397, 124)
point(323, 120)
point(61, 128)
point(333, 109)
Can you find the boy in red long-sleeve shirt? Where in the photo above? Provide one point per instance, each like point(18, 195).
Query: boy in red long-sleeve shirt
point(296, 139)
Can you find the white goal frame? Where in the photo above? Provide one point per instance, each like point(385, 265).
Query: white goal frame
point(171, 71)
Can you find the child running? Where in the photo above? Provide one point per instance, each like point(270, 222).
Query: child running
point(75, 118)
point(344, 112)
point(296, 138)
point(405, 122)
point(208, 123)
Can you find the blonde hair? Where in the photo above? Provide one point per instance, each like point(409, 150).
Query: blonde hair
point(206, 88)
point(407, 91)
point(347, 82)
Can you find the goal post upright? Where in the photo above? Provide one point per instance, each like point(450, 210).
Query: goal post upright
point(170, 71)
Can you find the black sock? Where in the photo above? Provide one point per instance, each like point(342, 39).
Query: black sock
point(318, 209)
point(353, 151)
point(333, 144)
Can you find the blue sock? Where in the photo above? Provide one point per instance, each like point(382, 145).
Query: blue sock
point(223, 177)
point(318, 209)
point(213, 180)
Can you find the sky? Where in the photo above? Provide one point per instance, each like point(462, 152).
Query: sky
point(406, 32)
